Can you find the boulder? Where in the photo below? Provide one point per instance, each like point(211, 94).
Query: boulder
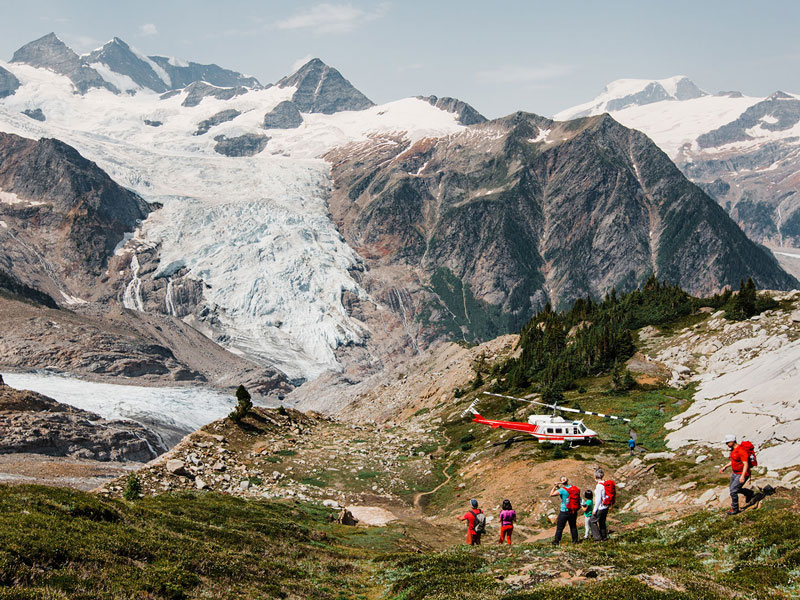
point(200, 484)
point(707, 496)
point(346, 518)
point(790, 478)
point(659, 456)
point(176, 467)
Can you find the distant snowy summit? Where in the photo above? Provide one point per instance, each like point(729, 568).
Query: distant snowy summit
point(121, 69)
point(625, 93)
point(744, 151)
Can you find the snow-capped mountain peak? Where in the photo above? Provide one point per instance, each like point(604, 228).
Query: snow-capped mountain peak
point(625, 93)
point(323, 89)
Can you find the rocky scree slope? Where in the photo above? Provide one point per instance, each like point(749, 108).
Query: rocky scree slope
point(492, 223)
point(33, 423)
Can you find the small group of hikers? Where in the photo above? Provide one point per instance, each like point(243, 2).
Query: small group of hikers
point(596, 504)
point(476, 523)
point(595, 507)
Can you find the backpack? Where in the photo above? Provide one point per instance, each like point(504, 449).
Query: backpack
point(751, 453)
point(611, 492)
point(480, 522)
point(573, 499)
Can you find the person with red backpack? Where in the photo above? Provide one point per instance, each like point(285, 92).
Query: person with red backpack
point(605, 494)
point(570, 505)
point(476, 523)
point(743, 458)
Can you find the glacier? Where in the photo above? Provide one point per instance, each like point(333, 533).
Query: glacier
point(255, 230)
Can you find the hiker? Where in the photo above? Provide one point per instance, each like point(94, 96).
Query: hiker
point(507, 518)
point(605, 493)
point(631, 444)
point(476, 523)
point(568, 513)
point(740, 465)
point(587, 504)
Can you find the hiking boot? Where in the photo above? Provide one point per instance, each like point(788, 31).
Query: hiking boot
point(732, 512)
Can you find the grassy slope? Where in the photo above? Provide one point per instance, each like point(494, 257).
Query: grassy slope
point(71, 544)
point(706, 555)
point(67, 544)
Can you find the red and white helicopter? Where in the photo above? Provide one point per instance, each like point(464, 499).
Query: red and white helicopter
point(548, 428)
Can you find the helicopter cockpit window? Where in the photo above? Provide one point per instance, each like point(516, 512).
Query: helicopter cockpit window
point(583, 427)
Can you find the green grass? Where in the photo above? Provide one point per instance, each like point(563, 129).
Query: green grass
point(58, 543)
point(704, 556)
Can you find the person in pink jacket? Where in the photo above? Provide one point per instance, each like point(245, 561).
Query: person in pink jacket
point(507, 518)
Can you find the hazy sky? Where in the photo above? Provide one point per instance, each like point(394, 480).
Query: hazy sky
point(499, 56)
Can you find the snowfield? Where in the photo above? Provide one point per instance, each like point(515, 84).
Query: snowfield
point(255, 229)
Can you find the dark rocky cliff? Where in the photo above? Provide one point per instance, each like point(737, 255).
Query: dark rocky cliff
point(517, 212)
point(66, 218)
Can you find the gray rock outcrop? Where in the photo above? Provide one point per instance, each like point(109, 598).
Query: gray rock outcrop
point(34, 113)
point(284, 116)
point(8, 83)
point(221, 117)
point(322, 89)
point(248, 144)
point(31, 422)
point(50, 52)
point(466, 114)
point(183, 74)
point(199, 90)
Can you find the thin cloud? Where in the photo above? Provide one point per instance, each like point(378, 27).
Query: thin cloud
point(80, 43)
point(414, 67)
point(148, 29)
point(332, 18)
point(519, 75)
point(300, 62)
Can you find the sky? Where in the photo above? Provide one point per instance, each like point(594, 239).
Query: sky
point(499, 56)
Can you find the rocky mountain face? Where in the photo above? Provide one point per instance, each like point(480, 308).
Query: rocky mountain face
point(8, 83)
point(119, 68)
point(741, 150)
point(50, 52)
point(466, 114)
point(322, 89)
point(493, 223)
point(62, 216)
point(33, 423)
point(284, 116)
point(117, 56)
point(752, 167)
point(182, 74)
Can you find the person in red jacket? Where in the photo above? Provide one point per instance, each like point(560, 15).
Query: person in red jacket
point(740, 465)
point(471, 516)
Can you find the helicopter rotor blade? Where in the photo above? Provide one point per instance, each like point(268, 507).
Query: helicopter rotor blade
point(557, 407)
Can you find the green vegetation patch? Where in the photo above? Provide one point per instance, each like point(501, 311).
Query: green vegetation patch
point(58, 543)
